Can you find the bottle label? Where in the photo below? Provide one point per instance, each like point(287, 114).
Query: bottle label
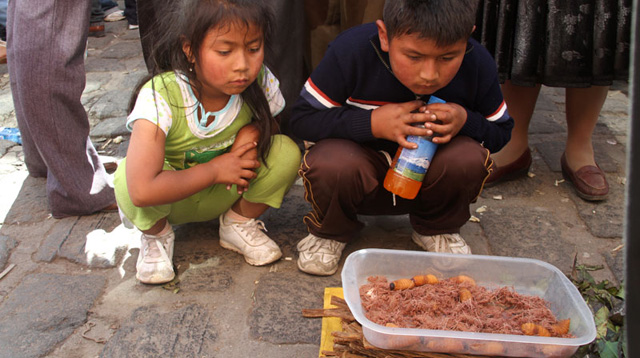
point(413, 163)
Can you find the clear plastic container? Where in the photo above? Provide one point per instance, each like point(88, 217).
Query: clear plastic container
point(526, 276)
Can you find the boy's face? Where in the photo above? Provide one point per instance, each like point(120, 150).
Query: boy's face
point(418, 63)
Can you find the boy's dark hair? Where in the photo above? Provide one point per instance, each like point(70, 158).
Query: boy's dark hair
point(190, 21)
point(444, 21)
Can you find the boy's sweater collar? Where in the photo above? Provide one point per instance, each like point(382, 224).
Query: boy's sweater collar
point(383, 56)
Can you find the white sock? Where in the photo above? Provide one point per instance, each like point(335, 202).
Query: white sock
point(165, 230)
point(232, 217)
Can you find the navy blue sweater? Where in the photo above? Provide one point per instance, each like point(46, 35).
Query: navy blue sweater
point(355, 77)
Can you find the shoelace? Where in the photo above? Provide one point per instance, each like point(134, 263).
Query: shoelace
point(442, 240)
point(155, 247)
point(314, 244)
point(152, 249)
point(251, 227)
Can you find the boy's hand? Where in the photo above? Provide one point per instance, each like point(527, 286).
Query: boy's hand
point(450, 119)
point(231, 168)
point(394, 122)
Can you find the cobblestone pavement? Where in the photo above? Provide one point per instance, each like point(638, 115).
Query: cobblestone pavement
point(72, 291)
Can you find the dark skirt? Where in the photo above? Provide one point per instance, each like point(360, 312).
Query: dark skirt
point(558, 43)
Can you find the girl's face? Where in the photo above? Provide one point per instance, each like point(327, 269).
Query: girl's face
point(230, 59)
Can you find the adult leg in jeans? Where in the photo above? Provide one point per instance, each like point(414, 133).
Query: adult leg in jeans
point(46, 67)
point(131, 11)
point(3, 19)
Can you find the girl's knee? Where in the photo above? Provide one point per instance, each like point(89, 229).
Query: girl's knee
point(284, 152)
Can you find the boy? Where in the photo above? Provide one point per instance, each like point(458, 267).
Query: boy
point(359, 104)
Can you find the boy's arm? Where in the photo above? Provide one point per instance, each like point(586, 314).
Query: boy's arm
point(321, 110)
point(312, 123)
point(490, 124)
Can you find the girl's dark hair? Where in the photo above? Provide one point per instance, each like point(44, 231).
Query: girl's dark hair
point(444, 21)
point(190, 21)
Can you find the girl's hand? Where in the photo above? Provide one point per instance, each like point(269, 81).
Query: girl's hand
point(231, 168)
point(450, 117)
point(394, 122)
point(247, 134)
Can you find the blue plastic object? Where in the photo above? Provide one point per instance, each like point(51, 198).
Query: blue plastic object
point(12, 134)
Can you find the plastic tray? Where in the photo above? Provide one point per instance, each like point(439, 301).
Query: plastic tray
point(526, 276)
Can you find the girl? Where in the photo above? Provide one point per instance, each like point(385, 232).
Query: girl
point(203, 142)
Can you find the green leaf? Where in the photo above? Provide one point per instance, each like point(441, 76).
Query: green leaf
point(602, 319)
point(621, 292)
point(608, 349)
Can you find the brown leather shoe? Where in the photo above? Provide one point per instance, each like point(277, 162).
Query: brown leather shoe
point(514, 170)
point(589, 181)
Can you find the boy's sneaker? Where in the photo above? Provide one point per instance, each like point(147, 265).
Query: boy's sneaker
point(451, 243)
point(154, 260)
point(249, 240)
point(133, 26)
point(319, 256)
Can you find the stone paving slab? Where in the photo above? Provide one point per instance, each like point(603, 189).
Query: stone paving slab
point(188, 332)
point(43, 311)
point(279, 300)
point(6, 245)
point(528, 233)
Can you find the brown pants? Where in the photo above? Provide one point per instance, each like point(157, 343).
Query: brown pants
point(343, 179)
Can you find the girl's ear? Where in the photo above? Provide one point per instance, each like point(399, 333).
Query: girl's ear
point(382, 34)
point(186, 48)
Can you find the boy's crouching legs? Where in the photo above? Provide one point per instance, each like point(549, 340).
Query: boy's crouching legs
point(338, 176)
point(450, 243)
point(318, 256)
point(453, 182)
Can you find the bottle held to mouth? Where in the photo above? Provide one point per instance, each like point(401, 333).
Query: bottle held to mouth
point(409, 166)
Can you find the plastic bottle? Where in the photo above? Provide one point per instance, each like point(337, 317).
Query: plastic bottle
point(409, 166)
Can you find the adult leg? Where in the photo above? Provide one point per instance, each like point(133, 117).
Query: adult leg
point(131, 11)
point(583, 107)
point(96, 23)
point(521, 102)
point(3, 19)
point(47, 79)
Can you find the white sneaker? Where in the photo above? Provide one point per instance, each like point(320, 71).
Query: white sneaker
point(451, 243)
point(154, 260)
point(115, 16)
point(249, 240)
point(319, 256)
